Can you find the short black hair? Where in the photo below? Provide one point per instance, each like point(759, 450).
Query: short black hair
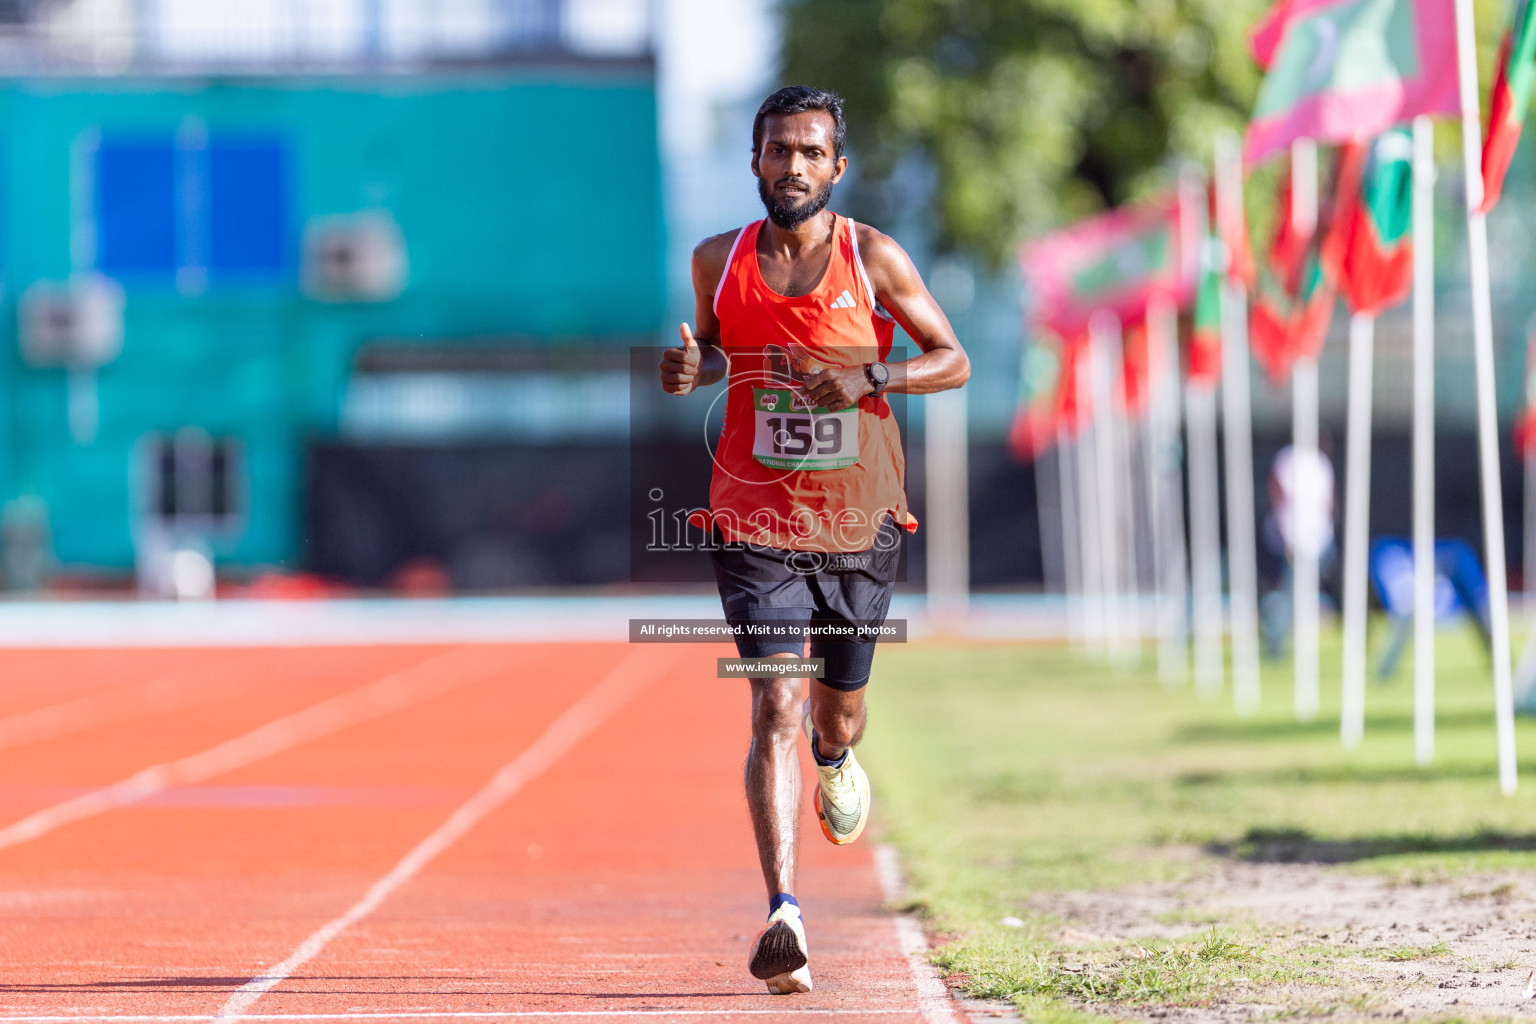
point(798, 99)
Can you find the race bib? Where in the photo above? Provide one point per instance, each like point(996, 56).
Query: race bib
point(788, 436)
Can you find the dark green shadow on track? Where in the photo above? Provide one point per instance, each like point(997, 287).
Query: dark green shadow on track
point(1366, 774)
point(1298, 846)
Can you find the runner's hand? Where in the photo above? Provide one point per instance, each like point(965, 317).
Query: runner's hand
point(680, 366)
point(837, 387)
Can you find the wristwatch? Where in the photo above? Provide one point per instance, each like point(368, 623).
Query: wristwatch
point(877, 374)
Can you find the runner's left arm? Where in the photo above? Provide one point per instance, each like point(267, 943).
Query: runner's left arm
point(899, 288)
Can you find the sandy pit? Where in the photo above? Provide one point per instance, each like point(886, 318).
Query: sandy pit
point(1343, 927)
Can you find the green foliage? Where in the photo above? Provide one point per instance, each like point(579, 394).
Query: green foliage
point(1218, 945)
point(1029, 113)
point(1402, 953)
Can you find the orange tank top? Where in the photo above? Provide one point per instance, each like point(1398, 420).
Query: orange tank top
point(786, 475)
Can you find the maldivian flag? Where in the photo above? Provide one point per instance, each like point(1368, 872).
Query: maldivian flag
point(1314, 311)
point(1118, 261)
point(1205, 341)
point(1283, 328)
point(1048, 394)
point(1137, 369)
point(1317, 291)
point(1073, 400)
point(1375, 268)
point(1269, 327)
point(1274, 309)
point(1347, 69)
point(1038, 413)
point(1265, 38)
point(1234, 240)
point(1297, 288)
point(1507, 106)
point(1289, 247)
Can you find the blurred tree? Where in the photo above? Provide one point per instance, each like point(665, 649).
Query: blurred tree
point(1022, 114)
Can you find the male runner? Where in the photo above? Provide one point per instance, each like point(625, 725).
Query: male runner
point(807, 500)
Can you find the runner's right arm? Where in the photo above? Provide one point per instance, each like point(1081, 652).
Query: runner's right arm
point(700, 362)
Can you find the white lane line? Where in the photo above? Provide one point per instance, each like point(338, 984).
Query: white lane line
point(783, 1013)
point(380, 697)
point(613, 691)
point(933, 999)
point(180, 689)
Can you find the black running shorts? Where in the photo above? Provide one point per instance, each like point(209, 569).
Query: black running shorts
point(848, 592)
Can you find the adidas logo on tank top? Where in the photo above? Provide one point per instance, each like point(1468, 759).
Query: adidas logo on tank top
point(844, 301)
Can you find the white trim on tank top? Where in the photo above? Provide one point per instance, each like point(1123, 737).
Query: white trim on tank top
point(853, 234)
point(729, 259)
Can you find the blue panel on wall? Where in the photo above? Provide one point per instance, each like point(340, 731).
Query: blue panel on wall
point(247, 207)
point(136, 206)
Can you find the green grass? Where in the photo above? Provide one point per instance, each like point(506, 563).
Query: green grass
point(1401, 953)
point(1005, 770)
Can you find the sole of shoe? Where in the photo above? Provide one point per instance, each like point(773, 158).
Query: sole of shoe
point(826, 829)
point(776, 951)
point(791, 983)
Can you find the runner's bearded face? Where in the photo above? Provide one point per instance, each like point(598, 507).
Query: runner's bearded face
point(796, 167)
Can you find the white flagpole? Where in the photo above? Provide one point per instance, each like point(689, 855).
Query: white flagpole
point(1305, 533)
point(1487, 410)
point(1423, 440)
point(1205, 539)
point(1128, 507)
point(1152, 479)
point(1048, 522)
point(1094, 612)
point(945, 448)
point(1237, 426)
point(1071, 539)
point(1134, 524)
point(1357, 512)
point(1167, 494)
point(1103, 336)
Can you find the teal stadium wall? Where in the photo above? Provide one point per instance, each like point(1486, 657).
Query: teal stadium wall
point(530, 202)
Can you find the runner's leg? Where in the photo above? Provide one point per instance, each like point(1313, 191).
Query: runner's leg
point(778, 955)
point(838, 717)
point(855, 595)
point(773, 779)
point(769, 604)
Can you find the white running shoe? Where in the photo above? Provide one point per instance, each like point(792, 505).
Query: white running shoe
point(842, 796)
point(778, 953)
point(842, 800)
point(789, 984)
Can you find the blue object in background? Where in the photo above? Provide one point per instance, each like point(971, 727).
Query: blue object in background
point(1392, 578)
point(1460, 586)
point(247, 209)
point(220, 206)
point(135, 181)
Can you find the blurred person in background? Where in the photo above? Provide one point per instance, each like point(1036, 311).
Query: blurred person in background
point(1295, 477)
point(807, 502)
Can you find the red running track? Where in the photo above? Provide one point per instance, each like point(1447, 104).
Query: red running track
point(606, 873)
